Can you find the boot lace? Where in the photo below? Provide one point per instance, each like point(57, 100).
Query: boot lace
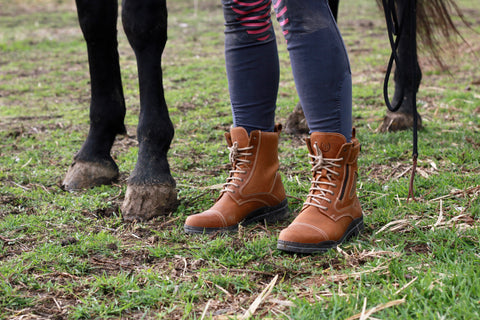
point(318, 182)
point(236, 160)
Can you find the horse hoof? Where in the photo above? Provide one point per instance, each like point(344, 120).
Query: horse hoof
point(296, 122)
point(84, 175)
point(398, 121)
point(144, 202)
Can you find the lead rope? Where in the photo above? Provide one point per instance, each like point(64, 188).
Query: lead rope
point(394, 29)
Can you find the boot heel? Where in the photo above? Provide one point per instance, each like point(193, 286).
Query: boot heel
point(354, 229)
point(268, 214)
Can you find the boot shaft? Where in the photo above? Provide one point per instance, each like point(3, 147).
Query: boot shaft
point(254, 160)
point(334, 172)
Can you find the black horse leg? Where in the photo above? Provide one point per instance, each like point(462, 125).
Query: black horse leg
point(93, 164)
point(333, 4)
point(151, 188)
point(404, 86)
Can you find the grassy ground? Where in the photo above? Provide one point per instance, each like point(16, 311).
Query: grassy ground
point(69, 255)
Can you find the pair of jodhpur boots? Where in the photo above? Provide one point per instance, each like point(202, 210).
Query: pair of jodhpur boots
point(254, 191)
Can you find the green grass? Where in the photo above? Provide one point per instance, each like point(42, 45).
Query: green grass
point(69, 255)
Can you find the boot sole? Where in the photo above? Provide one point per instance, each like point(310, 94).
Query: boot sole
point(267, 214)
point(354, 229)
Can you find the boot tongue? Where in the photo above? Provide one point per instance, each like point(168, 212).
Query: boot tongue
point(240, 136)
point(329, 143)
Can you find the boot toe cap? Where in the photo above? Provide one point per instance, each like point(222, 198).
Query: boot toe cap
point(207, 219)
point(303, 233)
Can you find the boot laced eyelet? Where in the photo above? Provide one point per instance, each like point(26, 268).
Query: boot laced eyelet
point(239, 165)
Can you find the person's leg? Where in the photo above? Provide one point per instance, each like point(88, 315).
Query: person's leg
point(251, 60)
point(254, 191)
point(319, 63)
point(331, 213)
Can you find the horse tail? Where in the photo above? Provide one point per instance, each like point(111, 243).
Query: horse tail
point(434, 24)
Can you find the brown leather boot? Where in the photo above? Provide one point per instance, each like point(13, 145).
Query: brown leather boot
point(253, 191)
point(331, 214)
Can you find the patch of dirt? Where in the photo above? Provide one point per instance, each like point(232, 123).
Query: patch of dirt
point(396, 170)
point(107, 212)
point(28, 127)
point(422, 248)
point(123, 143)
point(11, 204)
point(7, 199)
